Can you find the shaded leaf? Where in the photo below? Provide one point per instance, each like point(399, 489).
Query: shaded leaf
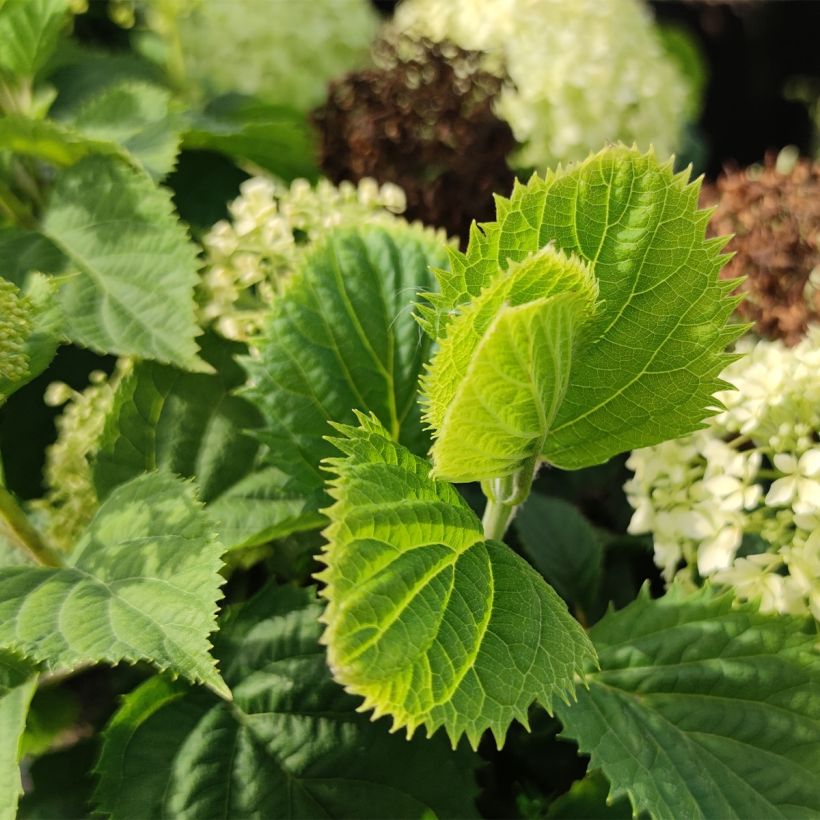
point(17, 682)
point(291, 738)
point(562, 545)
point(273, 137)
point(341, 337)
point(703, 709)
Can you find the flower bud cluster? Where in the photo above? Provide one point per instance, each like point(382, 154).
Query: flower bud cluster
point(71, 500)
point(271, 227)
point(739, 502)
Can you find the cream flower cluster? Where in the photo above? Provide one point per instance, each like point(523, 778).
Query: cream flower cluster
point(271, 227)
point(740, 500)
point(580, 72)
point(280, 50)
point(71, 499)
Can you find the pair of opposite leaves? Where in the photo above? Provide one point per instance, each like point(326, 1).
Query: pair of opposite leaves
point(587, 320)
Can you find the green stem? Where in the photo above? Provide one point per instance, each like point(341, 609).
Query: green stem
point(504, 496)
point(14, 208)
point(497, 517)
point(23, 534)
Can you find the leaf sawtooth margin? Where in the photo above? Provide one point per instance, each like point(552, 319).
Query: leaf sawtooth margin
point(703, 708)
point(141, 584)
point(651, 357)
point(426, 620)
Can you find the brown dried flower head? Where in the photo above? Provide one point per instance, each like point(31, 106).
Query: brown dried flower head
point(774, 213)
point(423, 119)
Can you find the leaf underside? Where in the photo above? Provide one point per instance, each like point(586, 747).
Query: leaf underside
point(341, 337)
point(141, 584)
point(703, 709)
point(427, 620)
point(493, 388)
point(133, 293)
point(649, 361)
point(291, 737)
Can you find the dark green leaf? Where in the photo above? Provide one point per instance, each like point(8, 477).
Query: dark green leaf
point(290, 745)
point(562, 546)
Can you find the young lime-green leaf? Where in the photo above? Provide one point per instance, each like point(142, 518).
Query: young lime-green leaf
point(138, 116)
point(650, 358)
point(29, 30)
point(341, 337)
point(290, 745)
point(426, 620)
point(141, 584)
point(494, 386)
point(703, 709)
point(133, 293)
point(18, 679)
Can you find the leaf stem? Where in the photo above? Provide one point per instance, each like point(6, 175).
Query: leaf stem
point(23, 534)
point(504, 496)
point(496, 519)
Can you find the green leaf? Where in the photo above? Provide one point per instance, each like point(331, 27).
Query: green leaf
point(193, 425)
point(51, 141)
point(341, 337)
point(426, 620)
point(140, 118)
point(290, 745)
point(141, 584)
point(29, 30)
point(499, 377)
point(563, 547)
point(649, 361)
point(134, 293)
point(17, 682)
point(23, 252)
point(273, 137)
point(703, 709)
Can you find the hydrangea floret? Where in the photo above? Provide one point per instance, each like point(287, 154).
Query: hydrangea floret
point(739, 502)
point(271, 227)
point(579, 73)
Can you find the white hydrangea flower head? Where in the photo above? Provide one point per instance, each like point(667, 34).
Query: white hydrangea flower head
point(580, 72)
point(281, 51)
point(250, 256)
point(755, 471)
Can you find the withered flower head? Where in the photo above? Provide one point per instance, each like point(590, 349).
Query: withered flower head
point(422, 119)
point(774, 212)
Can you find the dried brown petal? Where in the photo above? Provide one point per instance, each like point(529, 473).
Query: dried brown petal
point(422, 119)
